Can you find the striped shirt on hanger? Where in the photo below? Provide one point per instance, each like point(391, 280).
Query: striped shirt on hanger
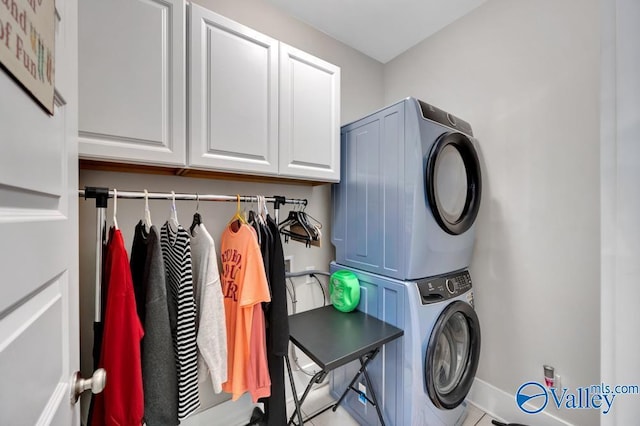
point(176, 251)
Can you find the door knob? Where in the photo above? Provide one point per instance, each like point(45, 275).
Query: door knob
point(96, 383)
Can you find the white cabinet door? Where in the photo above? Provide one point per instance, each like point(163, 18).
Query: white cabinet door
point(233, 88)
point(309, 116)
point(39, 246)
point(132, 81)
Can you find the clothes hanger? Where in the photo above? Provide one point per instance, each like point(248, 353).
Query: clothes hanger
point(296, 228)
point(115, 208)
point(147, 212)
point(252, 216)
point(173, 219)
point(303, 220)
point(257, 215)
point(314, 225)
point(237, 218)
point(262, 209)
point(302, 227)
point(255, 223)
point(197, 219)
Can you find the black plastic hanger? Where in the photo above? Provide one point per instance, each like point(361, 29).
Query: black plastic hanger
point(197, 219)
point(297, 227)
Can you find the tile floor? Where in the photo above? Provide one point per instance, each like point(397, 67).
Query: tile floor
point(477, 417)
point(320, 398)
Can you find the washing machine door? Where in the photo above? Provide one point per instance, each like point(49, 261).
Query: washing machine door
point(452, 355)
point(453, 182)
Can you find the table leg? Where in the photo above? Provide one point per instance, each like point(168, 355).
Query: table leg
point(317, 378)
point(295, 394)
point(363, 366)
point(373, 394)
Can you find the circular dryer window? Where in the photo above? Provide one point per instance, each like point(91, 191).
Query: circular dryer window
point(450, 184)
point(452, 355)
point(453, 182)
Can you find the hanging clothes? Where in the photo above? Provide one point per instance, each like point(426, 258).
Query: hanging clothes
point(258, 376)
point(277, 332)
point(137, 262)
point(244, 289)
point(159, 372)
point(176, 251)
point(97, 402)
point(210, 321)
point(122, 401)
point(264, 240)
point(279, 317)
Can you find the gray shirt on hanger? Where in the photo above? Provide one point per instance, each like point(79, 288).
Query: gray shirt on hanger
point(158, 360)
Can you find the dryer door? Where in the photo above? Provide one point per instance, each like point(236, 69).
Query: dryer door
point(452, 355)
point(453, 182)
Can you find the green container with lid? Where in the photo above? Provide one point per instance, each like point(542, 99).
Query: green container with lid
point(344, 290)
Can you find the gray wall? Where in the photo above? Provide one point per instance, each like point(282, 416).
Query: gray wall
point(362, 77)
point(525, 74)
point(361, 92)
point(620, 207)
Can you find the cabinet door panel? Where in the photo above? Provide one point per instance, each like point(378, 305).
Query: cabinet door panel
point(309, 116)
point(233, 112)
point(132, 80)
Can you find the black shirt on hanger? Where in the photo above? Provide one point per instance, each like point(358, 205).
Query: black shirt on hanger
point(277, 330)
point(137, 262)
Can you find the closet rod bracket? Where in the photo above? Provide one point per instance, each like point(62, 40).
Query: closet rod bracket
point(279, 201)
point(100, 194)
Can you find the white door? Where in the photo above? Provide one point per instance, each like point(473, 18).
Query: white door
point(233, 107)
point(39, 243)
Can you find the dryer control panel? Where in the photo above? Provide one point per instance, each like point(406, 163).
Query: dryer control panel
point(438, 289)
point(432, 113)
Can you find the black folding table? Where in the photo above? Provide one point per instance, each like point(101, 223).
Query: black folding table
point(331, 339)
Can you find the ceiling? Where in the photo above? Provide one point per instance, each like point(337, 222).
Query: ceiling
point(381, 29)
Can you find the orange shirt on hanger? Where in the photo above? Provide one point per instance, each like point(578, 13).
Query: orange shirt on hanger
point(244, 285)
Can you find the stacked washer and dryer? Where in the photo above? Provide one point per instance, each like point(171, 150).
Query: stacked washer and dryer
point(403, 222)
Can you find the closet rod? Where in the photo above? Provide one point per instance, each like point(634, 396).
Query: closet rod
point(91, 192)
point(102, 195)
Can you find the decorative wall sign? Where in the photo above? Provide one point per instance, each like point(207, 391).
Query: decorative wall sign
point(27, 41)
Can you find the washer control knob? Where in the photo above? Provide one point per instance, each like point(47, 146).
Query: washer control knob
point(451, 286)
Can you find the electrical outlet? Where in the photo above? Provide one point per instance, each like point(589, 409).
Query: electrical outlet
point(309, 279)
point(549, 376)
point(288, 263)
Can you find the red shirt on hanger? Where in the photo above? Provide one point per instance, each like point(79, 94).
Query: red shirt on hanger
point(122, 401)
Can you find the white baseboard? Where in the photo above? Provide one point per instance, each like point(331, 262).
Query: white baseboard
point(502, 406)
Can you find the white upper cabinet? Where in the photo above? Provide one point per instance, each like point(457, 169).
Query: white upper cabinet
point(255, 105)
point(132, 105)
point(233, 88)
point(309, 116)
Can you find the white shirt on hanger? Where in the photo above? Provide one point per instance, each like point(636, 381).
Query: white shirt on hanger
point(210, 322)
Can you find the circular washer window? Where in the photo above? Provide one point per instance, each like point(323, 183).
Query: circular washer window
point(452, 355)
point(454, 183)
